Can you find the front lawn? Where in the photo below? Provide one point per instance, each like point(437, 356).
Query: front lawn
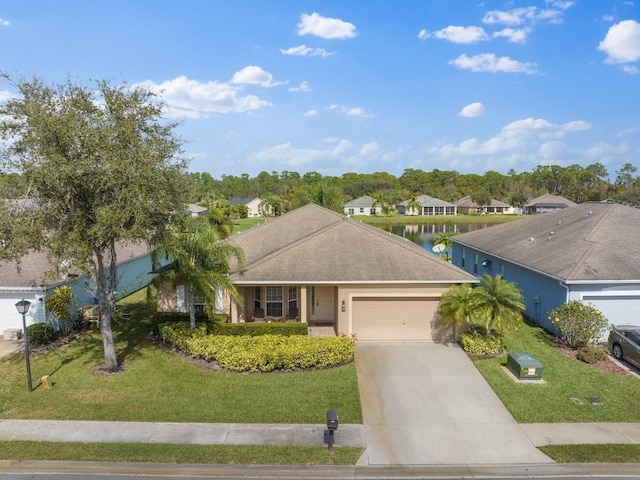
point(567, 381)
point(159, 385)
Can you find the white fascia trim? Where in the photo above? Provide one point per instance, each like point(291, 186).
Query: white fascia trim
point(357, 282)
point(604, 282)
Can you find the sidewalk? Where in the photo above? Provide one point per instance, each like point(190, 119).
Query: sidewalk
point(539, 434)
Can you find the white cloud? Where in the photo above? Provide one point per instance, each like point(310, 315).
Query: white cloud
point(488, 62)
point(513, 35)
point(325, 27)
point(457, 34)
point(475, 109)
point(4, 23)
point(6, 95)
point(192, 99)
point(622, 42)
point(303, 87)
point(369, 149)
point(254, 75)
point(304, 51)
point(523, 15)
point(311, 113)
point(350, 111)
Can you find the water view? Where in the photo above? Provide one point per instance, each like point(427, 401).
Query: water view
point(423, 234)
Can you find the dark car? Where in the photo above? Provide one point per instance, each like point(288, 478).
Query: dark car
point(624, 342)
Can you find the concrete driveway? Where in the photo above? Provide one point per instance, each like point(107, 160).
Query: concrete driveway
point(426, 404)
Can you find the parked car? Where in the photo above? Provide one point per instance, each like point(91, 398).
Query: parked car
point(624, 342)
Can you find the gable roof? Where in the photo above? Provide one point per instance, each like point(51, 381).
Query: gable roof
point(364, 201)
point(548, 200)
point(467, 202)
point(587, 243)
point(427, 201)
point(314, 245)
point(242, 200)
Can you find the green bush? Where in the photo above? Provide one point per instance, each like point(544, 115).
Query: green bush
point(255, 329)
point(260, 353)
point(592, 354)
point(476, 342)
point(40, 334)
point(578, 323)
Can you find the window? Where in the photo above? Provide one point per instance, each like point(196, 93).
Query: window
point(257, 303)
point(475, 263)
point(293, 297)
point(351, 211)
point(274, 301)
point(462, 259)
point(362, 210)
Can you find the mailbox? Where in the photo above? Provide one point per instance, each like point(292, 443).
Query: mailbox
point(332, 420)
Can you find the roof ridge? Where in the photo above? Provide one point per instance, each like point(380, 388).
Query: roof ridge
point(592, 244)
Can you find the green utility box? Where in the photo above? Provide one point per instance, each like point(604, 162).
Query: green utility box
point(524, 366)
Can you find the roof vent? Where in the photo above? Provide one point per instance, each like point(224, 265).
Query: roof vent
point(531, 239)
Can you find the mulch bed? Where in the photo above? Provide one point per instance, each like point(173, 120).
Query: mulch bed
point(608, 365)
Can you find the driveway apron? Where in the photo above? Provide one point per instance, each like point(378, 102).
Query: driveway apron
point(426, 403)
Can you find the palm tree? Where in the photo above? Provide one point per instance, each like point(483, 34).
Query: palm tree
point(444, 239)
point(497, 304)
point(383, 201)
point(413, 205)
point(220, 218)
point(200, 260)
point(456, 305)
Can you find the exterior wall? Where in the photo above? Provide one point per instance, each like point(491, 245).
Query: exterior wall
point(541, 293)
point(9, 316)
point(253, 208)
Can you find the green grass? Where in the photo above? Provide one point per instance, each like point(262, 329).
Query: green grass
point(607, 453)
point(565, 379)
point(178, 453)
point(160, 386)
point(242, 224)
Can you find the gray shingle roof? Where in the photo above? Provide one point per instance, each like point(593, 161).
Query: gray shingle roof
point(427, 201)
point(550, 200)
point(591, 242)
point(365, 201)
point(312, 244)
point(467, 202)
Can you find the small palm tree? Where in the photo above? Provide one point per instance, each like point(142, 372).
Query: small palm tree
point(497, 304)
point(200, 259)
point(444, 239)
point(413, 205)
point(456, 305)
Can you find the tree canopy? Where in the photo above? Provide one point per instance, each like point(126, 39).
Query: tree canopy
point(99, 167)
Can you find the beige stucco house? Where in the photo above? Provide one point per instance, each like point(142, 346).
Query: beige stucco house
point(317, 266)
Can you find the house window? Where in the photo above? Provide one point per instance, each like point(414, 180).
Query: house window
point(462, 259)
point(362, 210)
point(257, 303)
point(198, 304)
point(351, 211)
point(274, 301)
point(293, 297)
point(475, 263)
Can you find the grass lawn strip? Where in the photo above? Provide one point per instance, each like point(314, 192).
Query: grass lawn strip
point(565, 379)
point(606, 453)
point(179, 453)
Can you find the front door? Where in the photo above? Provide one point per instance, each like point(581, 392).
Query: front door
point(322, 305)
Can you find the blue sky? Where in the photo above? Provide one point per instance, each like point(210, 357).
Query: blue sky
point(363, 86)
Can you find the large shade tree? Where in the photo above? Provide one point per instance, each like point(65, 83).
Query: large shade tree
point(101, 168)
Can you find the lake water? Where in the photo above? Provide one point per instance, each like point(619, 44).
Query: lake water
point(423, 234)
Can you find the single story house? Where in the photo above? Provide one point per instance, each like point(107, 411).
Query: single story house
point(316, 266)
point(362, 206)
point(31, 282)
point(469, 207)
point(589, 252)
point(253, 205)
point(428, 206)
point(195, 210)
point(546, 203)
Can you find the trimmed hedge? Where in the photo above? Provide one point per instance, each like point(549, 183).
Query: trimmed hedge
point(40, 334)
point(256, 329)
point(260, 353)
point(476, 342)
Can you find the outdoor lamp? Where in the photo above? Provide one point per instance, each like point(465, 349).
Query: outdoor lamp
point(23, 307)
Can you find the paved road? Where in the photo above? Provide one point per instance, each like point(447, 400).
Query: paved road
point(426, 404)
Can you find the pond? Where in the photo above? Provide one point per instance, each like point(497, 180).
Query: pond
point(423, 234)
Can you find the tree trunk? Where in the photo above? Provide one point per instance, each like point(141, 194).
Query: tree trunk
point(110, 360)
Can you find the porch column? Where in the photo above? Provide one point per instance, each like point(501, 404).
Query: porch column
point(303, 304)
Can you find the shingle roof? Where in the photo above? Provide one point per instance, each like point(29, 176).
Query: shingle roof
point(365, 201)
point(467, 202)
point(241, 200)
point(589, 242)
point(427, 201)
point(313, 244)
point(550, 200)
point(35, 265)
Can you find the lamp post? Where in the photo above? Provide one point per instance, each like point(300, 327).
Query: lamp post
point(23, 307)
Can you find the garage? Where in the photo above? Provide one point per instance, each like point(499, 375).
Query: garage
point(397, 318)
point(618, 309)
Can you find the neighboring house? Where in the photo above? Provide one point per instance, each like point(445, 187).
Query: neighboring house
point(316, 266)
point(469, 207)
point(362, 206)
point(428, 206)
point(31, 282)
point(589, 252)
point(197, 210)
point(253, 205)
point(547, 203)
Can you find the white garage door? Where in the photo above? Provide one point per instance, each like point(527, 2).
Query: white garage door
point(393, 318)
point(619, 310)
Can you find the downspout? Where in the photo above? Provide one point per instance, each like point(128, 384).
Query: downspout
point(566, 287)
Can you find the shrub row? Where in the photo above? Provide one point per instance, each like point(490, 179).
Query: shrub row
point(256, 329)
point(262, 353)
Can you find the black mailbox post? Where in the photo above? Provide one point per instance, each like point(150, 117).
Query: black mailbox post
point(332, 426)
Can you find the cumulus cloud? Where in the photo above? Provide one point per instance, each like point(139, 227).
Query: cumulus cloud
point(622, 42)
point(254, 75)
point(488, 62)
point(4, 23)
point(513, 35)
point(303, 87)
point(325, 27)
point(192, 99)
point(522, 15)
point(630, 69)
point(350, 111)
point(304, 51)
point(475, 109)
point(516, 137)
point(457, 34)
